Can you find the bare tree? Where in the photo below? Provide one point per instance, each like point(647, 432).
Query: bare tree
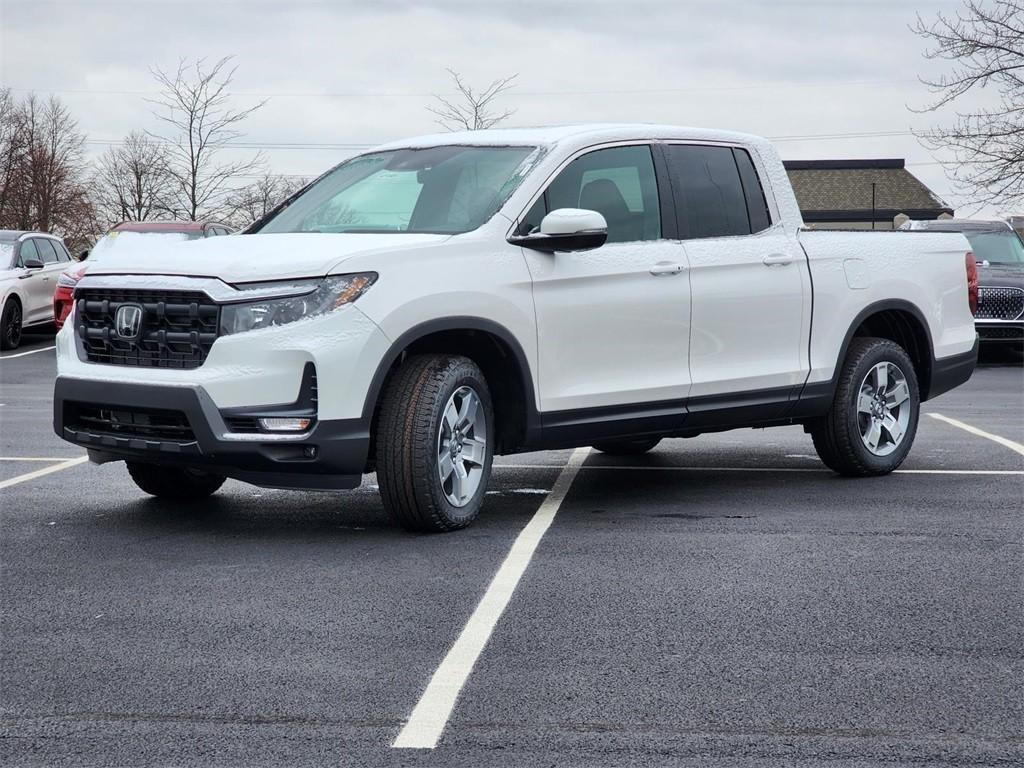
point(254, 201)
point(985, 43)
point(200, 124)
point(471, 109)
point(133, 181)
point(42, 168)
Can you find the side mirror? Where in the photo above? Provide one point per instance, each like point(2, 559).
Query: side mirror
point(566, 229)
point(32, 264)
point(83, 255)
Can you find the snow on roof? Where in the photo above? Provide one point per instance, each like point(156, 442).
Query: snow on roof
point(583, 134)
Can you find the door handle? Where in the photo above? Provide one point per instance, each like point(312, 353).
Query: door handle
point(777, 259)
point(663, 268)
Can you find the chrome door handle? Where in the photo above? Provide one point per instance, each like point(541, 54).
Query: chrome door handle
point(663, 268)
point(777, 259)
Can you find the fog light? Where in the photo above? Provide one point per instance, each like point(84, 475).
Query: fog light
point(282, 424)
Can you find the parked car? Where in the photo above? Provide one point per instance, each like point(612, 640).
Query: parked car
point(116, 239)
point(436, 301)
point(999, 252)
point(30, 263)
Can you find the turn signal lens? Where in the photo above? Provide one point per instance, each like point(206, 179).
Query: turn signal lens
point(972, 282)
point(281, 424)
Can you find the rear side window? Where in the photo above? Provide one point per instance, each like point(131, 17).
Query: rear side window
point(46, 251)
point(62, 251)
point(757, 205)
point(711, 200)
point(619, 183)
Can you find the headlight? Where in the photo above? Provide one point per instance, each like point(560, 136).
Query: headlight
point(321, 297)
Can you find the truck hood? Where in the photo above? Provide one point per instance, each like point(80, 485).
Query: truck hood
point(252, 258)
point(1001, 275)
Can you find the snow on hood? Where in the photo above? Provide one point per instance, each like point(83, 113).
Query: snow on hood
point(246, 258)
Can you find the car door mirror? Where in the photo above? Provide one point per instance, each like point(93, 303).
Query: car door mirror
point(32, 264)
point(566, 229)
point(83, 255)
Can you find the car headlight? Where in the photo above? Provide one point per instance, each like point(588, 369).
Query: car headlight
point(321, 297)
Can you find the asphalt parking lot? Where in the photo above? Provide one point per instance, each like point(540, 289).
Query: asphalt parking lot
point(722, 601)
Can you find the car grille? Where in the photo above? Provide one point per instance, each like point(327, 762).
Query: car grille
point(178, 327)
point(140, 423)
point(1000, 303)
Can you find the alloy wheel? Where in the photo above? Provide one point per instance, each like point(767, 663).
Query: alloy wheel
point(462, 446)
point(883, 408)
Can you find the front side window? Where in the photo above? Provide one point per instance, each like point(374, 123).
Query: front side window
point(996, 247)
point(27, 252)
point(444, 190)
point(710, 197)
point(619, 183)
point(46, 251)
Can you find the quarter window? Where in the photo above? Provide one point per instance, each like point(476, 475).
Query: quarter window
point(712, 199)
point(619, 183)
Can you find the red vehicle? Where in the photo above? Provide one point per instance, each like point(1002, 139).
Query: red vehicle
point(63, 296)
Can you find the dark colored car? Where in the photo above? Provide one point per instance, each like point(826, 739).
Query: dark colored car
point(999, 251)
point(182, 230)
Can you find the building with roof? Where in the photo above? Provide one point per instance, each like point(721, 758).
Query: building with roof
point(861, 194)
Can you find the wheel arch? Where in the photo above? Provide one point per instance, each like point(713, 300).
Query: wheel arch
point(899, 321)
point(492, 347)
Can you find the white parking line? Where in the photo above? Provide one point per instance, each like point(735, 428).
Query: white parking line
point(44, 471)
point(35, 458)
point(30, 352)
point(431, 713)
point(1006, 442)
point(765, 469)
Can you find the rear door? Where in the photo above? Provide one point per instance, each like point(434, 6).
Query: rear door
point(53, 259)
point(749, 281)
point(613, 322)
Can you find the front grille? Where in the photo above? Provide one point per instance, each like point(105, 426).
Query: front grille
point(117, 421)
point(178, 327)
point(1000, 303)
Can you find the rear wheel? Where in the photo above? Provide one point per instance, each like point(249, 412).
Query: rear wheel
point(873, 420)
point(10, 325)
point(627, 447)
point(179, 484)
point(435, 443)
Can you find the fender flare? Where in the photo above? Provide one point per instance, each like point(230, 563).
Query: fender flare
point(458, 323)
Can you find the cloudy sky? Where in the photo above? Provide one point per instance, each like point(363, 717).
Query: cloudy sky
point(824, 78)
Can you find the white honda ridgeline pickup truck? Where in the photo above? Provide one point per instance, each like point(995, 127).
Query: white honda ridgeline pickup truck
point(434, 302)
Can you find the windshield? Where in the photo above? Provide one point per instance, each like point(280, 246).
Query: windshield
point(445, 190)
point(121, 242)
point(996, 247)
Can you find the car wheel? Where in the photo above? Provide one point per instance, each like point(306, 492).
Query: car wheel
point(873, 420)
point(10, 325)
point(176, 483)
point(627, 447)
point(435, 443)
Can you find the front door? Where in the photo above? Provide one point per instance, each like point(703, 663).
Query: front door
point(613, 322)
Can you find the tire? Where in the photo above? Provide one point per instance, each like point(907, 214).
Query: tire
point(10, 325)
point(415, 433)
point(174, 483)
point(843, 437)
point(634, 447)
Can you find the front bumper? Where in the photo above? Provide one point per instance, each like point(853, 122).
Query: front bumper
point(1000, 331)
point(331, 456)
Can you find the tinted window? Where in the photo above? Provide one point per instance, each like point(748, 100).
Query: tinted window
point(28, 251)
point(62, 251)
point(46, 251)
point(618, 183)
point(757, 206)
point(709, 195)
point(996, 247)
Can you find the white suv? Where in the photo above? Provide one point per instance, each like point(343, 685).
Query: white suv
point(434, 302)
point(30, 264)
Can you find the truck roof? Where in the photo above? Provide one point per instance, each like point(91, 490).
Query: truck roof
point(584, 133)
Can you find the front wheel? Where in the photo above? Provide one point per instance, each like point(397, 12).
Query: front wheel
point(175, 483)
point(435, 442)
point(10, 325)
point(873, 420)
